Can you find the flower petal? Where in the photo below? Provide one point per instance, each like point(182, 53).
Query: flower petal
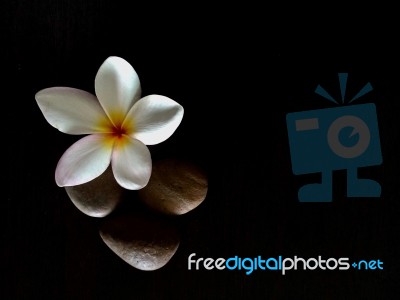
point(155, 118)
point(117, 87)
point(131, 163)
point(85, 160)
point(72, 111)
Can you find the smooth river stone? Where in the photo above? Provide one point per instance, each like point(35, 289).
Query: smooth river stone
point(175, 187)
point(144, 242)
point(98, 197)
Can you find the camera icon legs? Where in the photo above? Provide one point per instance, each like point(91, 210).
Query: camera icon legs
point(317, 192)
point(357, 187)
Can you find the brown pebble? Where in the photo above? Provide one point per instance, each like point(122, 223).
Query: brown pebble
point(175, 187)
point(144, 242)
point(98, 197)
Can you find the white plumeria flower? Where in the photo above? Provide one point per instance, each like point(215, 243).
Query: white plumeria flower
point(118, 124)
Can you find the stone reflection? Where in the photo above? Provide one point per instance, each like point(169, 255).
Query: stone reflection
point(144, 241)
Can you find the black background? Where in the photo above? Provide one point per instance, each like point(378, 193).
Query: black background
point(237, 71)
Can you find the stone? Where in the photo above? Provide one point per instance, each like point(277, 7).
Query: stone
point(98, 197)
point(144, 242)
point(175, 187)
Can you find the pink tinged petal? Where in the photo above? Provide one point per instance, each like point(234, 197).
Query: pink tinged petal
point(155, 118)
point(131, 163)
point(85, 160)
point(72, 111)
point(117, 87)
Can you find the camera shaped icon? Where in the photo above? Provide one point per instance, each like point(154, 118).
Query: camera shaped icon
point(338, 138)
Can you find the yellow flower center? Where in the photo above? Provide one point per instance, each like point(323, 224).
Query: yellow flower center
point(118, 132)
point(117, 129)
